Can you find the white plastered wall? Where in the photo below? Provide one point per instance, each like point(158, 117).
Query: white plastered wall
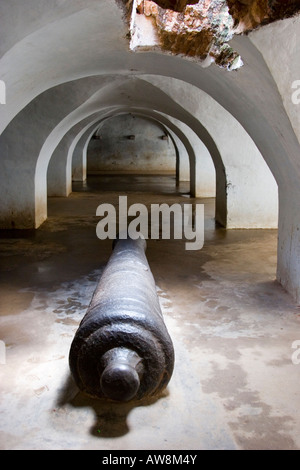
point(131, 144)
point(252, 193)
point(203, 176)
point(284, 64)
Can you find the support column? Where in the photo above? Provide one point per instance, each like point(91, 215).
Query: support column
point(58, 177)
point(79, 158)
point(17, 190)
point(182, 162)
point(288, 265)
point(20, 208)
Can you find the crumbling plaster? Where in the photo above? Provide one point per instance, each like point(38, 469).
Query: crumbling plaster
point(202, 29)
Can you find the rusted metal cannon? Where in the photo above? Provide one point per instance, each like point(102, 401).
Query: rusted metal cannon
point(122, 349)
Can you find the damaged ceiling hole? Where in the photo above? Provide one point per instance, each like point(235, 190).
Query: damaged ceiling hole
point(201, 30)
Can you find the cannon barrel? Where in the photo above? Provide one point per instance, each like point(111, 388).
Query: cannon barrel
point(122, 349)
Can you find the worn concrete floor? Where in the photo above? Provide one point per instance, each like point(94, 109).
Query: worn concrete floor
point(235, 385)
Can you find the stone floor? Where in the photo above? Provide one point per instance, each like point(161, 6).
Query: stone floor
point(235, 385)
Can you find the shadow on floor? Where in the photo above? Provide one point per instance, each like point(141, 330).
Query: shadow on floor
point(110, 417)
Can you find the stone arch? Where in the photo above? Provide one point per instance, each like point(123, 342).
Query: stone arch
point(110, 96)
point(78, 151)
point(166, 122)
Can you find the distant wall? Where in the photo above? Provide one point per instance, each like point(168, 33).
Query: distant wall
point(131, 144)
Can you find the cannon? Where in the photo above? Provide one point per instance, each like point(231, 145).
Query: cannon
point(122, 350)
